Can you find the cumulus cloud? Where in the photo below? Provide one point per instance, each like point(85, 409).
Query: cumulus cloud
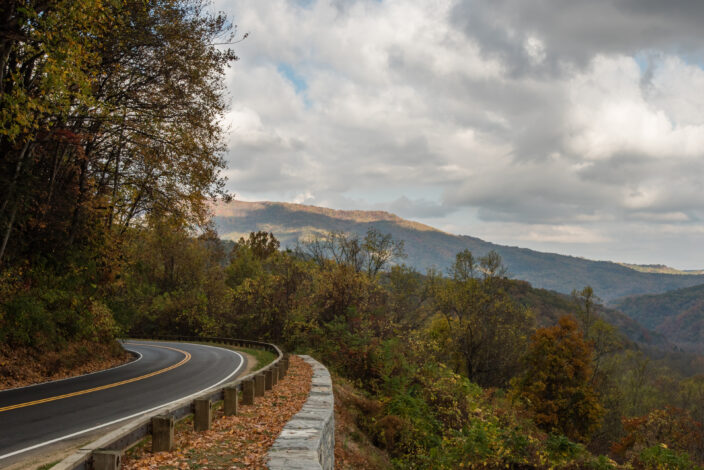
point(569, 124)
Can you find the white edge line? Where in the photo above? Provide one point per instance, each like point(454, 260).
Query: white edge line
point(78, 376)
point(78, 433)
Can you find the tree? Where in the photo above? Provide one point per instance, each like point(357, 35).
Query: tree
point(174, 284)
point(371, 254)
point(408, 306)
point(604, 337)
point(672, 428)
point(262, 244)
point(108, 111)
point(487, 328)
point(556, 384)
point(380, 249)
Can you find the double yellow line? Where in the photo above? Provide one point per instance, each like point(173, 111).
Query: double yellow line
point(186, 358)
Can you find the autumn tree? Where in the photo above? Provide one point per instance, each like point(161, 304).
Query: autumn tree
point(556, 384)
point(262, 244)
point(370, 254)
point(269, 295)
point(604, 337)
point(672, 428)
point(408, 296)
point(486, 327)
point(174, 283)
point(109, 115)
point(109, 111)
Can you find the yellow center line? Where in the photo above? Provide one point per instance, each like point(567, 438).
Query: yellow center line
point(187, 357)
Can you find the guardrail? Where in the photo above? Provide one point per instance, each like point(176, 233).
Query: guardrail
point(106, 452)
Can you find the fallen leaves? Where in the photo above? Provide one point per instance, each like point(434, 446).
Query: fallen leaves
point(25, 366)
point(234, 442)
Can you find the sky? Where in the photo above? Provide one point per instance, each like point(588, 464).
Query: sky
point(567, 126)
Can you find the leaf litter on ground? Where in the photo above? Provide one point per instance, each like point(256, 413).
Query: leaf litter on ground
point(234, 442)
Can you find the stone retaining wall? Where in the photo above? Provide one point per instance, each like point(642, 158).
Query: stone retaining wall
point(308, 440)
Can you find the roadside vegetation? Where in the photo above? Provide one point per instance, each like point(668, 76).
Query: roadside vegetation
point(109, 117)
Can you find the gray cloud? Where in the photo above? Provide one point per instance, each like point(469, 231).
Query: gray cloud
point(550, 123)
point(573, 31)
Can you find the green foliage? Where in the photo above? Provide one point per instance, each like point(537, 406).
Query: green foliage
point(243, 265)
point(659, 457)
point(261, 244)
point(484, 325)
point(41, 309)
point(108, 121)
point(175, 283)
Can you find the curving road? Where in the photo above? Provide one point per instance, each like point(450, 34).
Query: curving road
point(39, 415)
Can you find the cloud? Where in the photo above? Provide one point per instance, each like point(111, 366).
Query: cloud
point(573, 32)
point(566, 123)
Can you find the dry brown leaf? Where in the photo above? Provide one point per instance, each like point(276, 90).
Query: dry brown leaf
point(243, 439)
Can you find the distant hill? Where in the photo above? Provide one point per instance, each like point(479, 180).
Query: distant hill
point(550, 305)
point(427, 246)
point(678, 314)
point(660, 268)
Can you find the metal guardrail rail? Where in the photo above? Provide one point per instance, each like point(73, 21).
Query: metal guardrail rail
point(120, 440)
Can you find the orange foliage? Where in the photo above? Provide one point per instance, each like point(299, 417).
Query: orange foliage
point(556, 386)
point(671, 426)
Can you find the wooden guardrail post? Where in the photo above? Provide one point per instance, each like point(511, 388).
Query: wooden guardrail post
point(106, 459)
point(274, 376)
point(248, 392)
point(162, 433)
point(230, 401)
point(259, 385)
point(268, 379)
point(203, 414)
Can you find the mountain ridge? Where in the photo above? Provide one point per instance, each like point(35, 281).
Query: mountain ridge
point(429, 247)
point(677, 314)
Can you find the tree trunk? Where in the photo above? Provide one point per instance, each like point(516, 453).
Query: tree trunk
point(15, 177)
point(8, 231)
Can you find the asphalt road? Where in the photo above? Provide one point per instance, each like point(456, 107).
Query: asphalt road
point(39, 415)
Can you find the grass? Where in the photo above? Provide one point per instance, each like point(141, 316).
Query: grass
point(48, 465)
point(263, 357)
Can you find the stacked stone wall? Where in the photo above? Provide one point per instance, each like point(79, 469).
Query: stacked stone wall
point(308, 440)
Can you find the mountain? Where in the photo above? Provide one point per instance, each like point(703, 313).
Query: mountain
point(660, 268)
point(427, 247)
point(678, 314)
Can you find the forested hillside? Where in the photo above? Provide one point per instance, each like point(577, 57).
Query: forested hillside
point(428, 247)
point(678, 314)
point(109, 117)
